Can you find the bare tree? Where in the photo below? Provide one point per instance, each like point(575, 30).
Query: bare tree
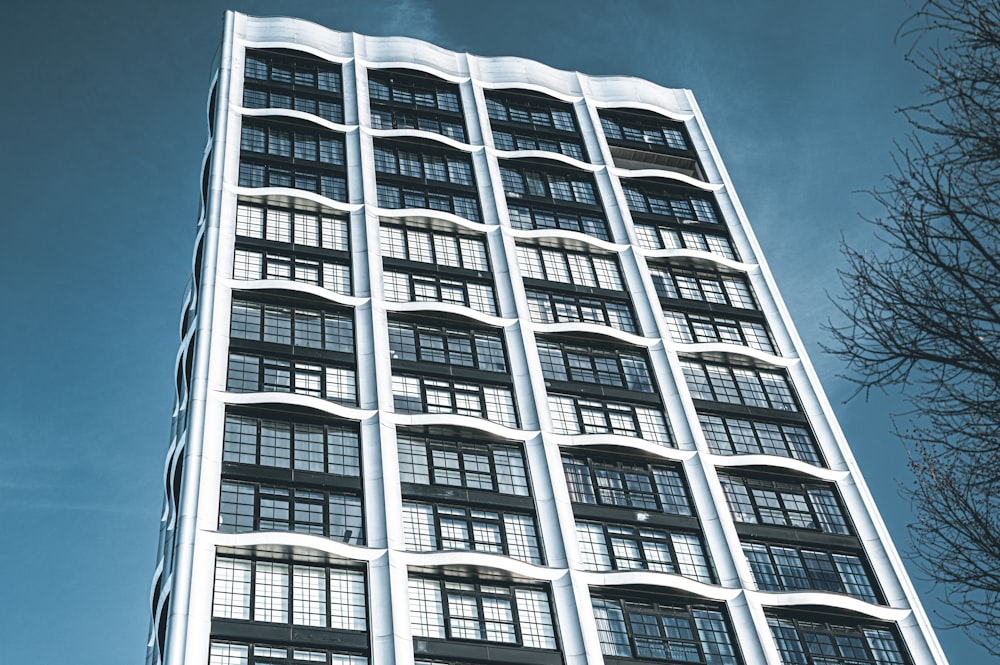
point(923, 310)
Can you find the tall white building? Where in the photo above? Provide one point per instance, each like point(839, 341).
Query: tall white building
point(481, 362)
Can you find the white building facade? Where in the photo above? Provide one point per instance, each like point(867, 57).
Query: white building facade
point(481, 361)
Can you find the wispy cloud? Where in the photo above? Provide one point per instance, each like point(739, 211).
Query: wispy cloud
point(412, 18)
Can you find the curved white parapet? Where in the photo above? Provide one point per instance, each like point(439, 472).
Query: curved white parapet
point(633, 443)
point(461, 310)
point(295, 287)
point(697, 256)
point(666, 175)
point(427, 215)
point(507, 72)
point(827, 599)
point(304, 401)
point(648, 578)
point(611, 87)
point(604, 331)
point(546, 154)
point(294, 539)
point(466, 558)
point(794, 465)
point(723, 349)
point(467, 422)
point(422, 134)
point(575, 236)
point(292, 193)
point(301, 115)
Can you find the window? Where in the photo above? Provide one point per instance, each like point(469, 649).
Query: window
point(532, 217)
point(739, 385)
point(688, 328)
point(407, 287)
point(785, 568)
point(702, 285)
point(820, 643)
point(257, 174)
point(659, 237)
point(293, 141)
point(506, 614)
point(454, 168)
point(797, 505)
point(320, 447)
point(680, 205)
point(254, 507)
point(290, 225)
point(462, 205)
point(652, 131)
point(577, 268)
point(289, 593)
point(465, 348)
point(491, 467)
point(504, 140)
point(250, 265)
point(434, 247)
point(292, 71)
point(234, 653)
point(575, 415)
point(412, 100)
point(627, 547)
point(556, 308)
point(672, 633)
point(627, 485)
point(605, 367)
point(251, 373)
point(258, 97)
point(569, 186)
point(531, 111)
point(305, 328)
point(413, 394)
point(739, 436)
point(430, 527)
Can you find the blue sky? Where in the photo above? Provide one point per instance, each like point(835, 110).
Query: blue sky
point(103, 133)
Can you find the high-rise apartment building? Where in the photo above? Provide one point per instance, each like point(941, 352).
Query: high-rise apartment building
point(481, 362)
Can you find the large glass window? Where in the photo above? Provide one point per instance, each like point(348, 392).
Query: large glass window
point(292, 71)
point(292, 326)
point(292, 225)
point(502, 613)
point(292, 141)
point(237, 653)
point(412, 394)
point(663, 237)
point(429, 527)
point(741, 436)
point(530, 217)
point(553, 186)
point(257, 507)
point(576, 415)
point(690, 328)
point(491, 467)
point(412, 100)
point(250, 265)
point(263, 97)
point(739, 385)
point(798, 505)
point(642, 128)
point(626, 485)
point(456, 250)
point(601, 366)
point(463, 205)
point(628, 547)
point(802, 642)
point(530, 111)
point(303, 446)
point(577, 268)
point(416, 287)
point(481, 349)
point(681, 283)
point(251, 373)
point(671, 633)
point(787, 568)
point(416, 162)
point(254, 173)
point(565, 308)
point(289, 593)
point(678, 205)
